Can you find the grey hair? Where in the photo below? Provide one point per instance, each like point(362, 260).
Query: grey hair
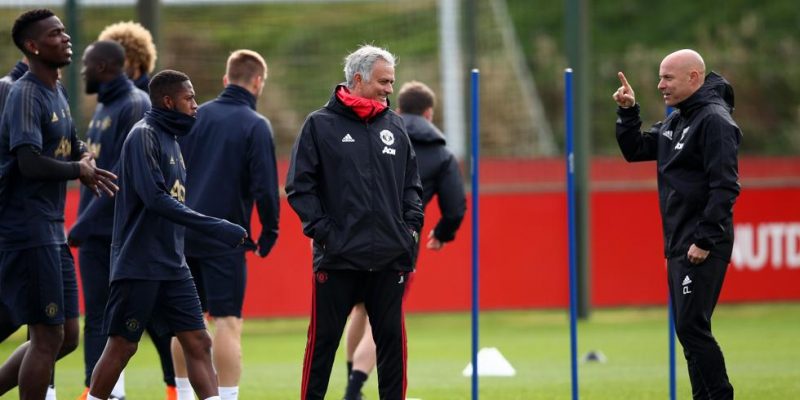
point(363, 60)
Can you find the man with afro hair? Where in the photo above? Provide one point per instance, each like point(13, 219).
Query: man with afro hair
point(140, 51)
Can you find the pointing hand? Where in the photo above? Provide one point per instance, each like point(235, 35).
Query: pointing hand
point(624, 96)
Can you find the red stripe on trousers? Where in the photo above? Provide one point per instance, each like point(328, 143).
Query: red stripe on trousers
point(312, 336)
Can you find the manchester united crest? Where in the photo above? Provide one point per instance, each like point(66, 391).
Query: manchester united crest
point(132, 324)
point(387, 137)
point(51, 310)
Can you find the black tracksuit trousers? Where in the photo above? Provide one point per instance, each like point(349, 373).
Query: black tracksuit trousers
point(334, 293)
point(694, 291)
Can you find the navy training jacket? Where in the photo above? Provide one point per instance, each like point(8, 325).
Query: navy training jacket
point(440, 175)
point(120, 106)
point(149, 214)
point(230, 165)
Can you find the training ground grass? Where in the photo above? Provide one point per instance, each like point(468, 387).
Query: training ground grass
point(761, 343)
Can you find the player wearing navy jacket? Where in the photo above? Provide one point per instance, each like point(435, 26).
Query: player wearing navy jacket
point(7, 327)
point(120, 105)
point(149, 276)
point(20, 68)
point(140, 60)
point(230, 162)
point(39, 152)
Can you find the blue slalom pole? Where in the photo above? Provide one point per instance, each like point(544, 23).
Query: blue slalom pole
point(672, 389)
point(573, 248)
point(475, 236)
point(672, 386)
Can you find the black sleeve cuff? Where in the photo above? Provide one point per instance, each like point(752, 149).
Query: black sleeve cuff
point(704, 244)
point(628, 112)
point(76, 170)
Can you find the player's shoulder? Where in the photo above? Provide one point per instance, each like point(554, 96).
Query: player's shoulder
point(137, 101)
point(26, 90)
point(139, 96)
point(27, 84)
point(140, 128)
point(142, 133)
point(220, 109)
point(5, 86)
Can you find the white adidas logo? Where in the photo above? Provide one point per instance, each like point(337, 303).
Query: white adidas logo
point(685, 284)
point(348, 139)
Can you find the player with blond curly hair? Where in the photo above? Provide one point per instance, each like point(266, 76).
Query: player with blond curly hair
point(140, 51)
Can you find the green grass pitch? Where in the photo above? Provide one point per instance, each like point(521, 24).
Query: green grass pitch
point(761, 343)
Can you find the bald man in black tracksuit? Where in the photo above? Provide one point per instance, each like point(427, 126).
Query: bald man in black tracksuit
point(696, 153)
point(354, 184)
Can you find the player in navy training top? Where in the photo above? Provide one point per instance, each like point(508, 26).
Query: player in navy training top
point(39, 152)
point(140, 60)
point(6, 326)
point(149, 276)
point(20, 68)
point(120, 105)
point(230, 159)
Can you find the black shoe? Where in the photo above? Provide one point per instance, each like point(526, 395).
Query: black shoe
point(359, 397)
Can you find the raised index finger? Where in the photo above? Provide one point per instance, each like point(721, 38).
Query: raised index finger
point(623, 80)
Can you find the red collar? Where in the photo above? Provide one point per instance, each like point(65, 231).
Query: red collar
point(363, 107)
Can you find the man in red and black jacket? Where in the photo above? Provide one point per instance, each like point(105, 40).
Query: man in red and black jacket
point(353, 182)
point(441, 177)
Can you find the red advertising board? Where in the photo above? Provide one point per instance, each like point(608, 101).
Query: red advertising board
point(523, 247)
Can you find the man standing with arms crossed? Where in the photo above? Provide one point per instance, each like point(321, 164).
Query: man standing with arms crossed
point(230, 162)
point(120, 105)
point(149, 276)
point(695, 150)
point(39, 152)
point(354, 184)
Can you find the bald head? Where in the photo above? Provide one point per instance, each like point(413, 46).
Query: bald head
point(680, 75)
point(687, 59)
point(108, 52)
point(103, 62)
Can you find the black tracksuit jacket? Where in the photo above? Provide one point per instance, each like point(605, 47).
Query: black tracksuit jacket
point(355, 186)
point(440, 175)
point(696, 152)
